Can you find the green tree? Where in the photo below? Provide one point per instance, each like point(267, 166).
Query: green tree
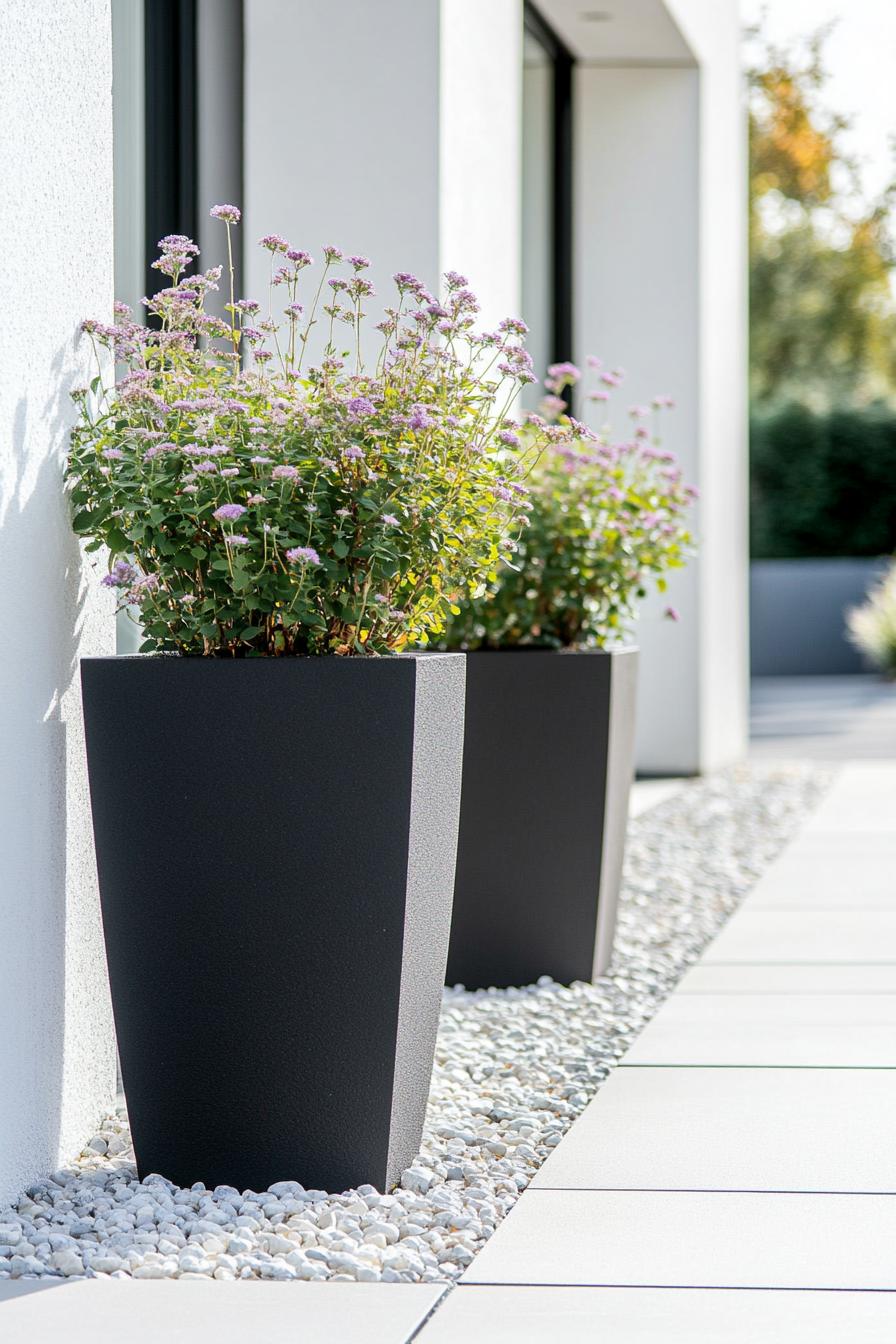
point(822, 312)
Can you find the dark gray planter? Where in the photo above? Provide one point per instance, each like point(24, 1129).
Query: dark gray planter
point(275, 842)
point(548, 763)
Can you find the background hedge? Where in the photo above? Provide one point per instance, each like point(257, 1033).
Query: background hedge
point(822, 484)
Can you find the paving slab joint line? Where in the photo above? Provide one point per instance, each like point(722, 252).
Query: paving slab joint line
point(440, 1300)
point(680, 1287)
point(890, 961)
point(467, 1288)
point(698, 1190)
point(851, 1068)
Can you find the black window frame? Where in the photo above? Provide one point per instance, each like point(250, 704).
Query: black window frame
point(170, 110)
point(561, 228)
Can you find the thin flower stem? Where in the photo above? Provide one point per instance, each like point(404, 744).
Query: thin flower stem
point(234, 334)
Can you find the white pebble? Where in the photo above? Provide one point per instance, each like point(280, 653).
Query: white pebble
point(418, 1179)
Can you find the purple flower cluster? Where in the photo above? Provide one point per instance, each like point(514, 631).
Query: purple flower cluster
point(121, 575)
point(229, 213)
point(383, 465)
point(420, 419)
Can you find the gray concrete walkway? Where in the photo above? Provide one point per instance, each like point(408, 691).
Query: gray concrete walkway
point(822, 718)
point(734, 1180)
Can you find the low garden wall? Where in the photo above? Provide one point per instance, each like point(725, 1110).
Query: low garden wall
point(822, 522)
point(798, 615)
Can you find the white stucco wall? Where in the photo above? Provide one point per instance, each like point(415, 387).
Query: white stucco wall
point(660, 289)
point(57, 1065)
point(480, 150)
point(406, 120)
point(341, 133)
point(713, 31)
point(636, 268)
point(387, 129)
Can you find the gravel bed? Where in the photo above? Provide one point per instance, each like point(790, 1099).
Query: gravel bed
point(513, 1070)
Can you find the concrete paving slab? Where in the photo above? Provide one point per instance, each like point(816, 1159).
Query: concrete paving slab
point(822, 718)
point(647, 793)
point(819, 871)
point(862, 798)
point(790, 1030)
point(693, 1240)
point(118, 1311)
point(787, 978)
point(733, 1129)
point(483, 1314)
point(793, 936)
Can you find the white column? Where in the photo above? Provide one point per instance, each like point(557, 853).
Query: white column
point(57, 1062)
point(660, 265)
point(390, 129)
point(713, 31)
point(480, 150)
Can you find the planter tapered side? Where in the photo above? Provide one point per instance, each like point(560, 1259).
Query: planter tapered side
point(548, 763)
point(275, 846)
point(619, 774)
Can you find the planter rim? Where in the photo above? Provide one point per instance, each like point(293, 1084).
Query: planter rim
point(361, 659)
point(530, 648)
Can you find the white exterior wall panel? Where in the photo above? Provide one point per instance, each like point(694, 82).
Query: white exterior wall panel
point(57, 1059)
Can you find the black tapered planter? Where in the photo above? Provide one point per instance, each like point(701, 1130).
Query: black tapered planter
point(548, 763)
point(275, 842)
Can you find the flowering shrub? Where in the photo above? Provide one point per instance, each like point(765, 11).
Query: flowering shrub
point(607, 517)
point(251, 507)
point(872, 626)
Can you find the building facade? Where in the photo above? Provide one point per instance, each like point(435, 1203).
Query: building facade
point(585, 168)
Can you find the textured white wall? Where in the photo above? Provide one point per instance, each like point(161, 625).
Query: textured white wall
point(219, 114)
point(660, 265)
point(390, 129)
point(637, 277)
point(57, 1065)
point(341, 134)
point(480, 149)
point(406, 115)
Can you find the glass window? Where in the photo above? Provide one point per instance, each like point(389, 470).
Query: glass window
point(537, 211)
point(547, 196)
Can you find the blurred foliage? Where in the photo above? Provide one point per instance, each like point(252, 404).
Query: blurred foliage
point(872, 626)
point(822, 313)
point(822, 483)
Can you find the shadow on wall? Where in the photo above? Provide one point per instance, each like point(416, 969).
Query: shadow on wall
point(48, 886)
